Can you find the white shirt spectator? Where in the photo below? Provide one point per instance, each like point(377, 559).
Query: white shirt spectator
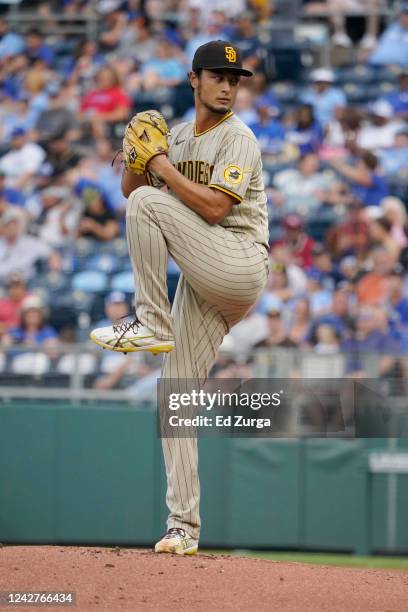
point(19, 252)
point(380, 133)
point(18, 162)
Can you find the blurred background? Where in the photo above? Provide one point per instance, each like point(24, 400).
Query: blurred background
point(329, 106)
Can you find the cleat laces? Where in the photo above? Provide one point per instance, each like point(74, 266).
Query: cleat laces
point(175, 531)
point(122, 328)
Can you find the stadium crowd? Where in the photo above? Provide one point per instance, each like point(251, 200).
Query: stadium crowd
point(335, 153)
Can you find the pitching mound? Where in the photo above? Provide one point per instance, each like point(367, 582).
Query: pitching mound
point(129, 579)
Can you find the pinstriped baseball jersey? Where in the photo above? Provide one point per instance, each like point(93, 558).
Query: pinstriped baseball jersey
point(226, 157)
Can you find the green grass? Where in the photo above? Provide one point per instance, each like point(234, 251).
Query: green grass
point(339, 560)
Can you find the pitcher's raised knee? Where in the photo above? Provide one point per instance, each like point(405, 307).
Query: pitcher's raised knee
point(141, 196)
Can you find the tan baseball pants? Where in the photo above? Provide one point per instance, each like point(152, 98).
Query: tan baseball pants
point(223, 274)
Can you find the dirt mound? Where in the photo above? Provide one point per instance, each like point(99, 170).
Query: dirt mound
point(130, 579)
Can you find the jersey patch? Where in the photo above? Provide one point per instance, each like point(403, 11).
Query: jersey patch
point(233, 175)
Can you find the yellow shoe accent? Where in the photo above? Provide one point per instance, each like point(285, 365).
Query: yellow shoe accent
point(177, 542)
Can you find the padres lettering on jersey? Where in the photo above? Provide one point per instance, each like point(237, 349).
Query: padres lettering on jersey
point(226, 157)
point(197, 171)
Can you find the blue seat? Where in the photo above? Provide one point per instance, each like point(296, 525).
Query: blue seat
point(285, 92)
point(356, 74)
point(105, 262)
point(355, 92)
point(90, 281)
point(123, 281)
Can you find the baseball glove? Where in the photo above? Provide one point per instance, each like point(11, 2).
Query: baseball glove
point(145, 137)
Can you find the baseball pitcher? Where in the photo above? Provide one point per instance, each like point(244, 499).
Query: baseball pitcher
point(197, 194)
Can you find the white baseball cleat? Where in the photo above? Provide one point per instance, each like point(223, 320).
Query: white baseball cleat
point(130, 337)
point(178, 542)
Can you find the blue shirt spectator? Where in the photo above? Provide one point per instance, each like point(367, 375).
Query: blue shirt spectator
point(371, 195)
point(398, 99)
point(21, 336)
point(366, 184)
point(10, 195)
point(392, 46)
point(395, 160)
point(307, 133)
point(165, 69)
point(37, 49)
point(369, 339)
point(10, 42)
point(324, 97)
point(22, 117)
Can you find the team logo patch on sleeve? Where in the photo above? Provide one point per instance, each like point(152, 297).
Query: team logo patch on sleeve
point(233, 175)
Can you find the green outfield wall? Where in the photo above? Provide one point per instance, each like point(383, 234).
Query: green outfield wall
point(95, 475)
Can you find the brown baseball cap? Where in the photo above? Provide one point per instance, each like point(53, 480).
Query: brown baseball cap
point(219, 55)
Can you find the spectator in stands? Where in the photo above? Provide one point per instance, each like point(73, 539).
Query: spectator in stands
point(244, 106)
point(107, 104)
point(348, 270)
point(300, 245)
point(246, 39)
point(278, 283)
point(98, 221)
point(320, 298)
point(399, 98)
point(84, 65)
point(212, 29)
point(327, 339)
point(392, 46)
point(20, 117)
point(165, 69)
point(62, 155)
point(57, 118)
point(136, 40)
point(22, 162)
point(381, 234)
point(380, 130)
point(366, 183)
point(267, 127)
point(324, 97)
point(322, 262)
point(19, 252)
point(395, 213)
point(11, 43)
point(98, 167)
point(8, 194)
point(394, 160)
point(302, 189)
point(340, 314)
point(372, 289)
point(341, 132)
point(300, 322)
point(113, 24)
point(277, 334)
point(32, 329)
point(306, 134)
point(58, 217)
point(367, 338)
point(350, 235)
point(37, 48)
point(14, 75)
point(297, 280)
point(10, 304)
